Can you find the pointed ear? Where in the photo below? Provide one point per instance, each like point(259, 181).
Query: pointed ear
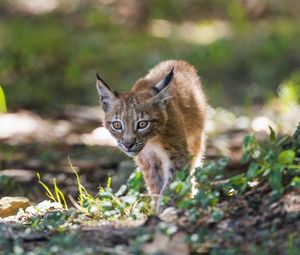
point(107, 94)
point(161, 89)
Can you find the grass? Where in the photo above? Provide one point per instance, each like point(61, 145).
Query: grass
point(127, 202)
point(57, 196)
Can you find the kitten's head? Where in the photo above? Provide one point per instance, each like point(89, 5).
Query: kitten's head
point(133, 118)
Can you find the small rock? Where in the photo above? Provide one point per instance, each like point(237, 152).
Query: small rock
point(20, 175)
point(10, 205)
point(163, 244)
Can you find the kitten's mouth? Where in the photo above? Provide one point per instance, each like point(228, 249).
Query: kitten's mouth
point(131, 153)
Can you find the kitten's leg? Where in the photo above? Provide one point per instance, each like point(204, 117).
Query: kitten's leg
point(154, 182)
point(199, 148)
point(168, 176)
point(198, 163)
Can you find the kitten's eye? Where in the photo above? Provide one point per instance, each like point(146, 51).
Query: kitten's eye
point(143, 124)
point(116, 125)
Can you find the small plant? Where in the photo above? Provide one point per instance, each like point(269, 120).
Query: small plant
point(269, 162)
point(57, 196)
point(206, 199)
point(126, 202)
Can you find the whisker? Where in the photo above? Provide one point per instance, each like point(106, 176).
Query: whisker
point(165, 98)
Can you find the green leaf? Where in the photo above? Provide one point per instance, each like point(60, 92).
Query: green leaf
point(222, 163)
point(245, 157)
point(174, 185)
point(237, 180)
point(286, 157)
point(276, 178)
point(135, 180)
point(122, 190)
point(129, 199)
point(184, 204)
point(105, 194)
point(2, 101)
point(252, 171)
point(179, 187)
point(217, 214)
point(296, 182)
point(108, 185)
point(249, 142)
point(182, 175)
point(272, 135)
point(107, 205)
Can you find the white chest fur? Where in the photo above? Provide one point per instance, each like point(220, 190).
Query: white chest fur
point(153, 148)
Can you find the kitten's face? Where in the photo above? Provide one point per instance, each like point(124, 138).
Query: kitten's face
point(133, 123)
point(134, 118)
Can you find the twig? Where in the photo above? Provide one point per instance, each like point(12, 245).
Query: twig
point(73, 201)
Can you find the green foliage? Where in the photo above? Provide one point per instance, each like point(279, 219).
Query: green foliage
point(270, 162)
point(296, 182)
point(59, 55)
point(2, 101)
point(54, 220)
point(289, 90)
point(7, 183)
point(58, 195)
point(207, 193)
point(60, 243)
point(127, 202)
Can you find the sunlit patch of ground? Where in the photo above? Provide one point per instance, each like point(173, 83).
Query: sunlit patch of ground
point(26, 127)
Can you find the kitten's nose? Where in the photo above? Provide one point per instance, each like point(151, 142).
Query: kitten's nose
point(129, 144)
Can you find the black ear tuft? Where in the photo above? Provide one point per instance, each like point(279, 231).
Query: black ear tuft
point(164, 83)
point(169, 77)
point(161, 90)
point(98, 76)
point(107, 94)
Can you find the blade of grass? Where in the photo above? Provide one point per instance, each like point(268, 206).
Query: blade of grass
point(78, 182)
point(81, 189)
point(56, 191)
point(2, 101)
point(108, 182)
point(59, 195)
point(48, 191)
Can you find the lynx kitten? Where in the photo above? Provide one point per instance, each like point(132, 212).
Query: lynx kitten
point(160, 122)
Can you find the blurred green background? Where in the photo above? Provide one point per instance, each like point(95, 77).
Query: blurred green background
point(50, 51)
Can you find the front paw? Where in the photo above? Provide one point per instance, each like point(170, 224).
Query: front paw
point(158, 206)
point(169, 214)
